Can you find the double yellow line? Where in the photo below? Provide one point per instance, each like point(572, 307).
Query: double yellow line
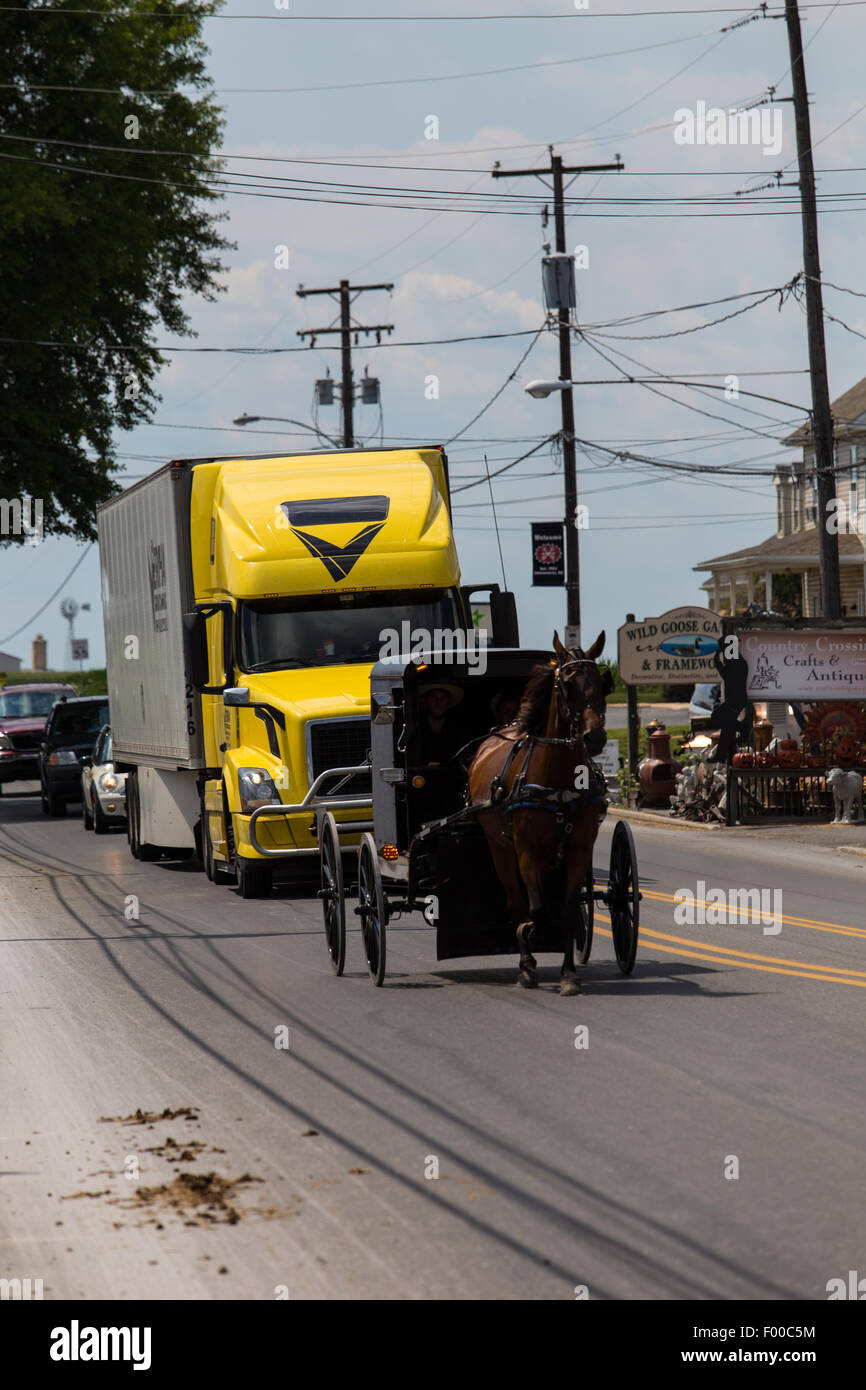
point(751, 960)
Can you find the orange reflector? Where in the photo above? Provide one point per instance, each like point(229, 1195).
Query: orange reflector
point(418, 782)
point(389, 851)
point(421, 666)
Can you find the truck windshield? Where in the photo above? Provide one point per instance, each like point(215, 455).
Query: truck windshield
point(79, 720)
point(26, 704)
point(333, 629)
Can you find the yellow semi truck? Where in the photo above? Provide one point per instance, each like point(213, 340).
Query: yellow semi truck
point(244, 601)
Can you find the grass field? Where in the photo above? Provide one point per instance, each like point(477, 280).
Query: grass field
point(88, 683)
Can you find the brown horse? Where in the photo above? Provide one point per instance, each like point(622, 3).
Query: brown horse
point(548, 804)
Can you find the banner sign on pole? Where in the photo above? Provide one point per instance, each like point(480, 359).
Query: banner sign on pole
point(676, 648)
point(548, 553)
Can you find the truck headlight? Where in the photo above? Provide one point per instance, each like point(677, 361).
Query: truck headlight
point(62, 758)
point(5, 741)
point(108, 781)
point(256, 788)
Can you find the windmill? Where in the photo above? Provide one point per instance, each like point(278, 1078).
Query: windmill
point(69, 608)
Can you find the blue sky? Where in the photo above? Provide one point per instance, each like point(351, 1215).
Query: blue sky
point(467, 273)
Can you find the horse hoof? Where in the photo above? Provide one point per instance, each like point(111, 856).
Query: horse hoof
point(569, 986)
point(527, 980)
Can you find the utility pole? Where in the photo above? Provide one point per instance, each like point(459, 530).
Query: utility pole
point(822, 420)
point(572, 558)
point(346, 328)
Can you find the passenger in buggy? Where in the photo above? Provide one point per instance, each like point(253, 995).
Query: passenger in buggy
point(504, 709)
point(439, 736)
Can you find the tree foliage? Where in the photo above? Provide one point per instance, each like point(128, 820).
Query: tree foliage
point(99, 246)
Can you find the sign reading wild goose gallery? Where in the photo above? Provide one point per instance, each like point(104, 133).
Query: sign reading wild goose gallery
point(798, 665)
point(676, 648)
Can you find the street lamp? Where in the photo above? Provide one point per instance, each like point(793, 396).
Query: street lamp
point(284, 420)
point(541, 389)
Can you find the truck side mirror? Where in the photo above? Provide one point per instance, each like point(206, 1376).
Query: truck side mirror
point(236, 695)
point(503, 619)
point(195, 648)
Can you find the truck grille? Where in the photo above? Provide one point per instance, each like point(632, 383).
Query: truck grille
point(25, 741)
point(340, 743)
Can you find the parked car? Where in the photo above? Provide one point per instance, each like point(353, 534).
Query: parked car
point(103, 791)
point(704, 697)
point(24, 710)
point(70, 733)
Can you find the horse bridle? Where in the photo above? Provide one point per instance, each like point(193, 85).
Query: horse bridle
point(565, 709)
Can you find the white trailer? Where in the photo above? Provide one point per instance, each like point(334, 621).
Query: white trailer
point(155, 711)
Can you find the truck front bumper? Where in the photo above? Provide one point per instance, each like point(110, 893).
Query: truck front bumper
point(314, 802)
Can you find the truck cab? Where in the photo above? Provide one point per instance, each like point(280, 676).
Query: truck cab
point(275, 585)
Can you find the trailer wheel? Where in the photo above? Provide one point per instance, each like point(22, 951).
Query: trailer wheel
point(146, 854)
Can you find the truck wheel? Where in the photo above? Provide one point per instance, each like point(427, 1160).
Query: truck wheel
point(52, 805)
point(146, 854)
point(216, 870)
point(254, 880)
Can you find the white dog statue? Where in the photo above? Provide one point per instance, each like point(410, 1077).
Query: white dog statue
point(847, 789)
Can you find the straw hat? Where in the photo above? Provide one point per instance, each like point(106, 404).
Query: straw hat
point(454, 693)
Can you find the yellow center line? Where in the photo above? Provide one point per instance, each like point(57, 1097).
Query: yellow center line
point(733, 914)
point(714, 955)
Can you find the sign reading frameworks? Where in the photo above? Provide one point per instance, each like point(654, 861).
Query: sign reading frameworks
point(677, 647)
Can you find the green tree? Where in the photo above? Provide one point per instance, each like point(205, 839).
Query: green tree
point(102, 234)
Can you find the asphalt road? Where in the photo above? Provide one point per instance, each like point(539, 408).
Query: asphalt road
point(601, 1166)
point(670, 715)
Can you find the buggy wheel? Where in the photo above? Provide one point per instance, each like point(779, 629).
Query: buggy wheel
point(371, 907)
point(623, 897)
point(331, 892)
point(585, 917)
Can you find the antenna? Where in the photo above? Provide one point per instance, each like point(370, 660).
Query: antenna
point(496, 522)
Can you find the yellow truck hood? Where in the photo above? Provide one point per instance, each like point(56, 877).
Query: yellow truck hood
point(323, 525)
point(315, 692)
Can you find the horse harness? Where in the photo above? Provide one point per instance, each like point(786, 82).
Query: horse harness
point(564, 802)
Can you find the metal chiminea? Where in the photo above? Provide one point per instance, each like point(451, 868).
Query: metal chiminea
point(658, 772)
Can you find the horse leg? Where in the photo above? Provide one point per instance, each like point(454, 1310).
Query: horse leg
point(569, 982)
point(505, 866)
point(533, 883)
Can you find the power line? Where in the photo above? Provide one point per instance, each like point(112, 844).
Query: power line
point(264, 352)
point(287, 18)
point(351, 86)
point(497, 394)
point(53, 596)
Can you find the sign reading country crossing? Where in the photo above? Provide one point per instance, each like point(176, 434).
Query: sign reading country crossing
point(677, 647)
point(814, 665)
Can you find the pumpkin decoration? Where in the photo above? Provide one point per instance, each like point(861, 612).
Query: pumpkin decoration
point(764, 759)
point(846, 751)
point(830, 719)
point(788, 753)
point(745, 758)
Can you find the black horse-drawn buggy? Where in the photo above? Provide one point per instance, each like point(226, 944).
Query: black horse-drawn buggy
point(431, 848)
